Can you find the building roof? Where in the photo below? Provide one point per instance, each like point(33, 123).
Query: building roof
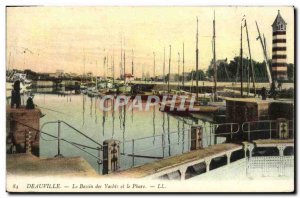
point(278, 19)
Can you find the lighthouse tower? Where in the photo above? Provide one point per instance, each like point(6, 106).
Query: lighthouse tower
point(279, 65)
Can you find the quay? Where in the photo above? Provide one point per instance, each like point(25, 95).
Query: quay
point(25, 164)
point(179, 167)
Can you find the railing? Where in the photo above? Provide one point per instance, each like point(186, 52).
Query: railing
point(59, 139)
point(70, 126)
point(208, 135)
point(234, 128)
point(266, 127)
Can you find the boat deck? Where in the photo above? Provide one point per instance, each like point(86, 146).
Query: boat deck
point(155, 167)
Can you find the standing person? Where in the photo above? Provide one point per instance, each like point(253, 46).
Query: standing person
point(15, 95)
point(263, 93)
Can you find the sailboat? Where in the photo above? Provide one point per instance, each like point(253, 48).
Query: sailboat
point(124, 88)
point(198, 106)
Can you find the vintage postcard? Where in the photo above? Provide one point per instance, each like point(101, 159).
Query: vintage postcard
point(150, 99)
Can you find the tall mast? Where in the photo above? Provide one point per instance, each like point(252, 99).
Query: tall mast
point(132, 63)
point(113, 68)
point(104, 63)
point(121, 59)
point(241, 61)
point(169, 69)
point(265, 55)
point(106, 68)
point(248, 76)
point(178, 70)
point(154, 65)
point(9, 63)
point(143, 72)
point(164, 64)
point(96, 76)
point(251, 63)
point(183, 65)
point(197, 54)
point(124, 66)
point(214, 57)
point(111, 65)
point(84, 63)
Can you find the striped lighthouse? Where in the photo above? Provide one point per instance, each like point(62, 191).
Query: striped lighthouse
point(279, 65)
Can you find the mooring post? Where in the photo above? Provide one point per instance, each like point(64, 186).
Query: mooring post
point(282, 128)
point(111, 156)
point(196, 137)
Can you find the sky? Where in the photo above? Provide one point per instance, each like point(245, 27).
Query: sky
point(76, 39)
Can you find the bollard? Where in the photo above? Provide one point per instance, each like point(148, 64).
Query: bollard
point(282, 128)
point(111, 156)
point(196, 137)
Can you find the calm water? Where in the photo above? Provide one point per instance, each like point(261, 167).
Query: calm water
point(83, 113)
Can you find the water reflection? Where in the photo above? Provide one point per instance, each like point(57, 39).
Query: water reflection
point(83, 108)
point(169, 140)
point(124, 129)
point(113, 120)
point(95, 112)
point(153, 125)
point(167, 133)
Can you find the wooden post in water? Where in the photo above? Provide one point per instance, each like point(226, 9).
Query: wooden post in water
point(196, 137)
